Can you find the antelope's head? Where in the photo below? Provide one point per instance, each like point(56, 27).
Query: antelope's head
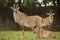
point(15, 9)
point(51, 13)
point(50, 16)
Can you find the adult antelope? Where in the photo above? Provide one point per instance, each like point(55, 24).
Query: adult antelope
point(26, 21)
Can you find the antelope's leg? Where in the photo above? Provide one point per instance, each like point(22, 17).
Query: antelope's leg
point(38, 30)
point(23, 32)
point(39, 25)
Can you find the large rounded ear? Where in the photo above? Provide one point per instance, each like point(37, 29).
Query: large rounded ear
point(53, 13)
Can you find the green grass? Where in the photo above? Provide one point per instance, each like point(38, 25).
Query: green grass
point(17, 35)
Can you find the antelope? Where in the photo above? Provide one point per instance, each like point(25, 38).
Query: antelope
point(45, 22)
point(44, 33)
point(26, 21)
point(48, 20)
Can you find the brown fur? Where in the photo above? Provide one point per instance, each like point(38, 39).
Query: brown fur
point(48, 20)
point(24, 20)
point(45, 33)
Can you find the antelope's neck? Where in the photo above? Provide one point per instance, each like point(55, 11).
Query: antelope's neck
point(51, 19)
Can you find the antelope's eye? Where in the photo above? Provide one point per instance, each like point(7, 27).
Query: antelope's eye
point(15, 11)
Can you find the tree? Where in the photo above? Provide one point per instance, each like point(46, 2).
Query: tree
point(58, 2)
point(54, 2)
point(2, 2)
point(47, 1)
point(6, 3)
point(29, 3)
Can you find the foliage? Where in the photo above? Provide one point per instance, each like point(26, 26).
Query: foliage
point(29, 3)
point(6, 2)
point(26, 3)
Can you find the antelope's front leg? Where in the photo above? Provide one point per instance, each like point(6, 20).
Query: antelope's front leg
point(22, 32)
point(37, 32)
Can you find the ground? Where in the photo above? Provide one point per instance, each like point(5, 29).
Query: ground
point(17, 35)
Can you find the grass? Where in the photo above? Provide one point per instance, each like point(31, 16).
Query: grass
point(17, 35)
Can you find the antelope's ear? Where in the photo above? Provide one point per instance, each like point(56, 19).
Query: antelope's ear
point(53, 13)
point(48, 14)
point(12, 8)
point(18, 8)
